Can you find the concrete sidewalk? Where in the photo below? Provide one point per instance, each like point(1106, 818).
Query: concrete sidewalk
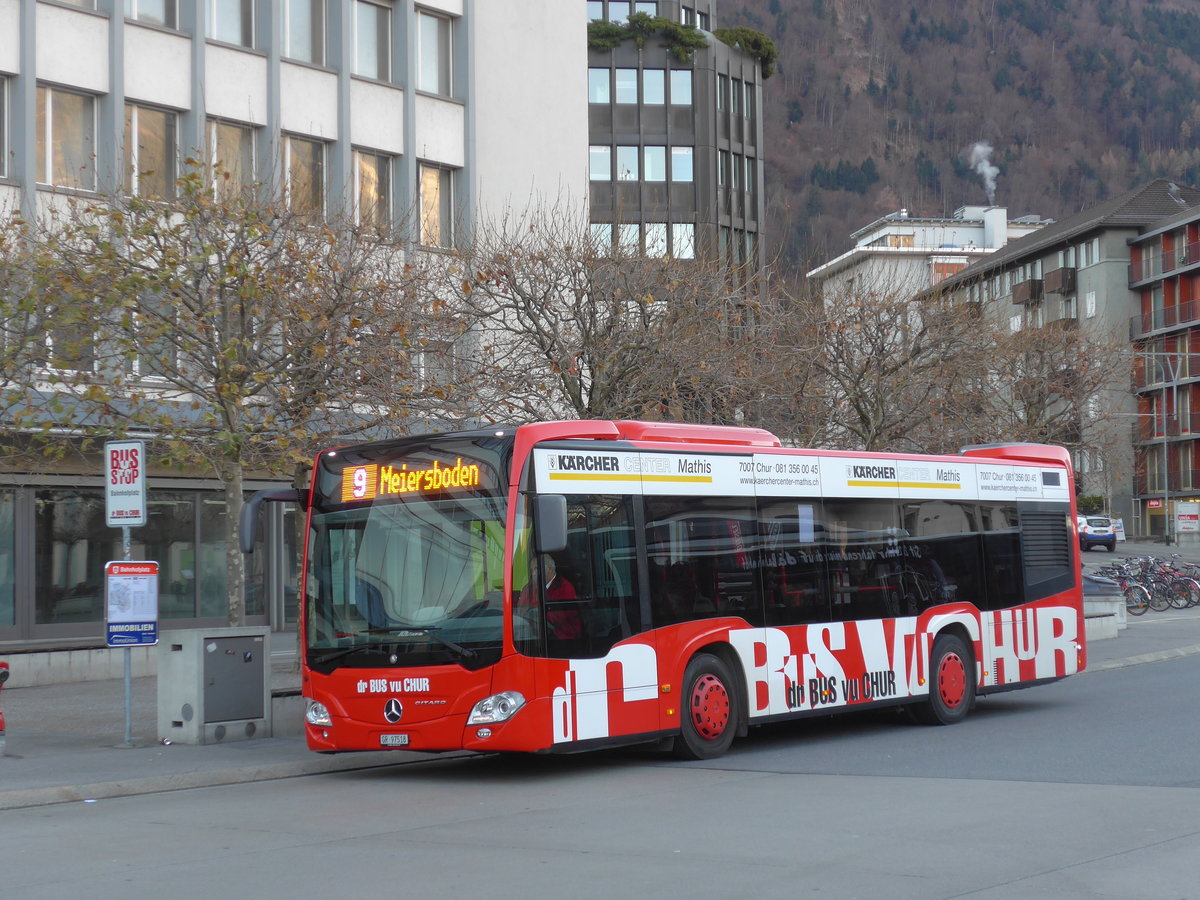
point(62, 740)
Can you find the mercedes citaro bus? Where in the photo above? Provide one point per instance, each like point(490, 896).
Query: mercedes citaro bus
point(564, 586)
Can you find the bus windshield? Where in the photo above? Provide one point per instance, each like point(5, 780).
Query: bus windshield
point(403, 575)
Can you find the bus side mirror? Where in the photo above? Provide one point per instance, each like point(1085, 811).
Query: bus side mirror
point(246, 526)
point(550, 528)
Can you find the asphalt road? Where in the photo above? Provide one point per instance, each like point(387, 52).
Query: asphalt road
point(1085, 788)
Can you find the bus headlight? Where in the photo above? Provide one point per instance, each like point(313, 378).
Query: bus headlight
point(317, 714)
point(496, 708)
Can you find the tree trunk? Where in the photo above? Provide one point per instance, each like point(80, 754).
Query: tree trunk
point(235, 563)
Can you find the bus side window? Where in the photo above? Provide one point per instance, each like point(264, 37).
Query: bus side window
point(703, 558)
point(600, 607)
point(863, 550)
point(792, 563)
point(942, 555)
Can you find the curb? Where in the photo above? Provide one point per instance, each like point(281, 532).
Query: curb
point(159, 784)
point(1156, 656)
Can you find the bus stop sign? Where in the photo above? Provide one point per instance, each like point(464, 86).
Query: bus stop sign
point(125, 483)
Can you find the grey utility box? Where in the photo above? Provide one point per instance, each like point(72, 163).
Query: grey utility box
point(214, 685)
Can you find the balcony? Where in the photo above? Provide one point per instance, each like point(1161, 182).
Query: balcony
point(1153, 373)
point(1163, 264)
point(1150, 429)
point(1185, 482)
point(1060, 281)
point(1026, 291)
point(1186, 313)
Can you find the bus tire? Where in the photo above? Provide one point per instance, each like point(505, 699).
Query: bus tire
point(951, 683)
point(710, 709)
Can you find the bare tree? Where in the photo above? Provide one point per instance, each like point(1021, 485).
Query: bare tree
point(242, 336)
point(567, 327)
point(889, 366)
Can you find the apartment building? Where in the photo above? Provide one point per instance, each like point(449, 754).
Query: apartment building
point(1120, 261)
point(458, 109)
point(1164, 277)
point(900, 254)
point(676, 146)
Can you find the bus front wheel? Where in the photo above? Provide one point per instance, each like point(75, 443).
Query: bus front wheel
point(710, 709)
point(951, 683)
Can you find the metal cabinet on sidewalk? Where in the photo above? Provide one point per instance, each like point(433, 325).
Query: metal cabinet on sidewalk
point(214, 685)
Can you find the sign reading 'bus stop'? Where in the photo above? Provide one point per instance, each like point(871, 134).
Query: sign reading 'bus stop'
point(125, 483)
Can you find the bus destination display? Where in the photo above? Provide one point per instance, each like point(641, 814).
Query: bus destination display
point(375, 480)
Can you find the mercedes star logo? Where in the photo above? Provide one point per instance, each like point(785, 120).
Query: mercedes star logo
point(393, 710)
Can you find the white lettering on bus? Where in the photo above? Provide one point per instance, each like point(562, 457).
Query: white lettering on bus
point(580, 706)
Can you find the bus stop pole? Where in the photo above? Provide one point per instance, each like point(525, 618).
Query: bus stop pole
point(125, 555)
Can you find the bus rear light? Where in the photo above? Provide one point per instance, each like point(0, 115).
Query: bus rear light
point(496, 708)
point(317, 714)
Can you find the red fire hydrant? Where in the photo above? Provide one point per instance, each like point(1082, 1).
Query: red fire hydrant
point(3, 678)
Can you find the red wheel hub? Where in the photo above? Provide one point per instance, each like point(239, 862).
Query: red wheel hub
point(952, 680)
point(710, 707)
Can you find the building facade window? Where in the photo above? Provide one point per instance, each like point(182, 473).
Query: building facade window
point(155, 323)
point(373, 189)
point(598, 86)
point(656, 239)
point(372, 40)
point(682, 168)
point(3, 128)
point(152, 12)
point(649, 7)
point(305, 31)
point(600, 163)
point(722, 92)
point(8, 550)
point(627, 163)
point(437, 206)
point(433, 54)
point(230, 157)
point(82, 4)
point(748, 106)
point(595, 10)
point(654, 163)
point(626, 81)
point(751, 170)
point(618, 10)
point(304, 164)
point(683, 241)
point(72, 544)
point(66, 139)
point(70, 339)
point(681, 87)
point(232, 21)
point(629, 237)
point(150, 151)
point(654, 87)
point(602, 238)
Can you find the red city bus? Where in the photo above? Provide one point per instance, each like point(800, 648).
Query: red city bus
point(565, 586)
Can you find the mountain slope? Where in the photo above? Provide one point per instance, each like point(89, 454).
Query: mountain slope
point(878, 106)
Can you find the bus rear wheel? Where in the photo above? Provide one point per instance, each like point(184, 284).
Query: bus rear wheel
point(951, 683)
point(710, 713)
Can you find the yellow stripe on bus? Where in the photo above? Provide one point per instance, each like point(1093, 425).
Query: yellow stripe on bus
point(587, 476)
point(906, 484)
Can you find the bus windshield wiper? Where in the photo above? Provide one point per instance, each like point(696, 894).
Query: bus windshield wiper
point(340, 652)
point(429, 631)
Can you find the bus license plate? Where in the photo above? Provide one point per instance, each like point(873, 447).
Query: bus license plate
point(393, 740)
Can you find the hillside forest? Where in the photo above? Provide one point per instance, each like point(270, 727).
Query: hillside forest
point(1043, 106)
